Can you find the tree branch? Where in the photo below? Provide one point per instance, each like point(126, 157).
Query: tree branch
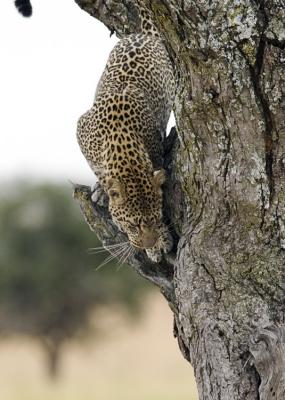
point(97, 216)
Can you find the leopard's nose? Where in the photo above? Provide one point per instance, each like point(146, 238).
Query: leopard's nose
point(148, 237)
point(148, 242)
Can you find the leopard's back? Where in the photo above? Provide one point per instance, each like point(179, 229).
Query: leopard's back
point(139, 64)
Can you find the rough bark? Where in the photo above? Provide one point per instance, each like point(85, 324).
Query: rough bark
point(225, 194)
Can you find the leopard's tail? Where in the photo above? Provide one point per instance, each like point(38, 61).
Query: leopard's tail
point(24, 7)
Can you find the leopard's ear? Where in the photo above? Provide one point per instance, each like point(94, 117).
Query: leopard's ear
point(159, 178)
point(115, 191)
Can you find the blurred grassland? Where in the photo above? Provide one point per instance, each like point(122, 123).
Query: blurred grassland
point(135, 360)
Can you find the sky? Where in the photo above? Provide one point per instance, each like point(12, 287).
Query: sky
point(49, 68)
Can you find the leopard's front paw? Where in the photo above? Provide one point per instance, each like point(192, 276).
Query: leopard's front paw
point(168, 243)
point(154, 254)
point(98, 196)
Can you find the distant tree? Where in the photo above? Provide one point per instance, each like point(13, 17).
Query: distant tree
point(48, 280)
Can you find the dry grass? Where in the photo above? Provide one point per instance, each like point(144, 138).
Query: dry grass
point(137, 361)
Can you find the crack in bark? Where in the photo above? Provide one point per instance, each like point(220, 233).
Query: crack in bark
point(263, 212)
point(225, 161)
point(178, 333)
point(268, 136)
point(276, 43)
point(255, 72)
point(219, 291)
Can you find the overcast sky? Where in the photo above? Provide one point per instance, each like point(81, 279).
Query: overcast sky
point(50, 65)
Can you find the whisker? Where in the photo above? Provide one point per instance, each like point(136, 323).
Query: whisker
point(122, 255)
point(91, 251)
point(114, 254)
point(131, 253)
point(107, 260)
point(105, 250)
point(118, 252)
point(126, 255)
point(110, 245)
point(101, 249)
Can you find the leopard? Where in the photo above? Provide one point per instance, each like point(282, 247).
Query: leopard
point(122, 134)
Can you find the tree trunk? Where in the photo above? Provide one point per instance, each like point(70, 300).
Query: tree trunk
point(226, 189)
point(52, 348)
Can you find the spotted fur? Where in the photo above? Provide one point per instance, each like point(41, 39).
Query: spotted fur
point(121, 136)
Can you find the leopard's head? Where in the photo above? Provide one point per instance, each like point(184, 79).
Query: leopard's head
point(135, 204)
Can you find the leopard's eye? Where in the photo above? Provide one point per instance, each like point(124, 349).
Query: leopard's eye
point(113, 193)
point(133, 228)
